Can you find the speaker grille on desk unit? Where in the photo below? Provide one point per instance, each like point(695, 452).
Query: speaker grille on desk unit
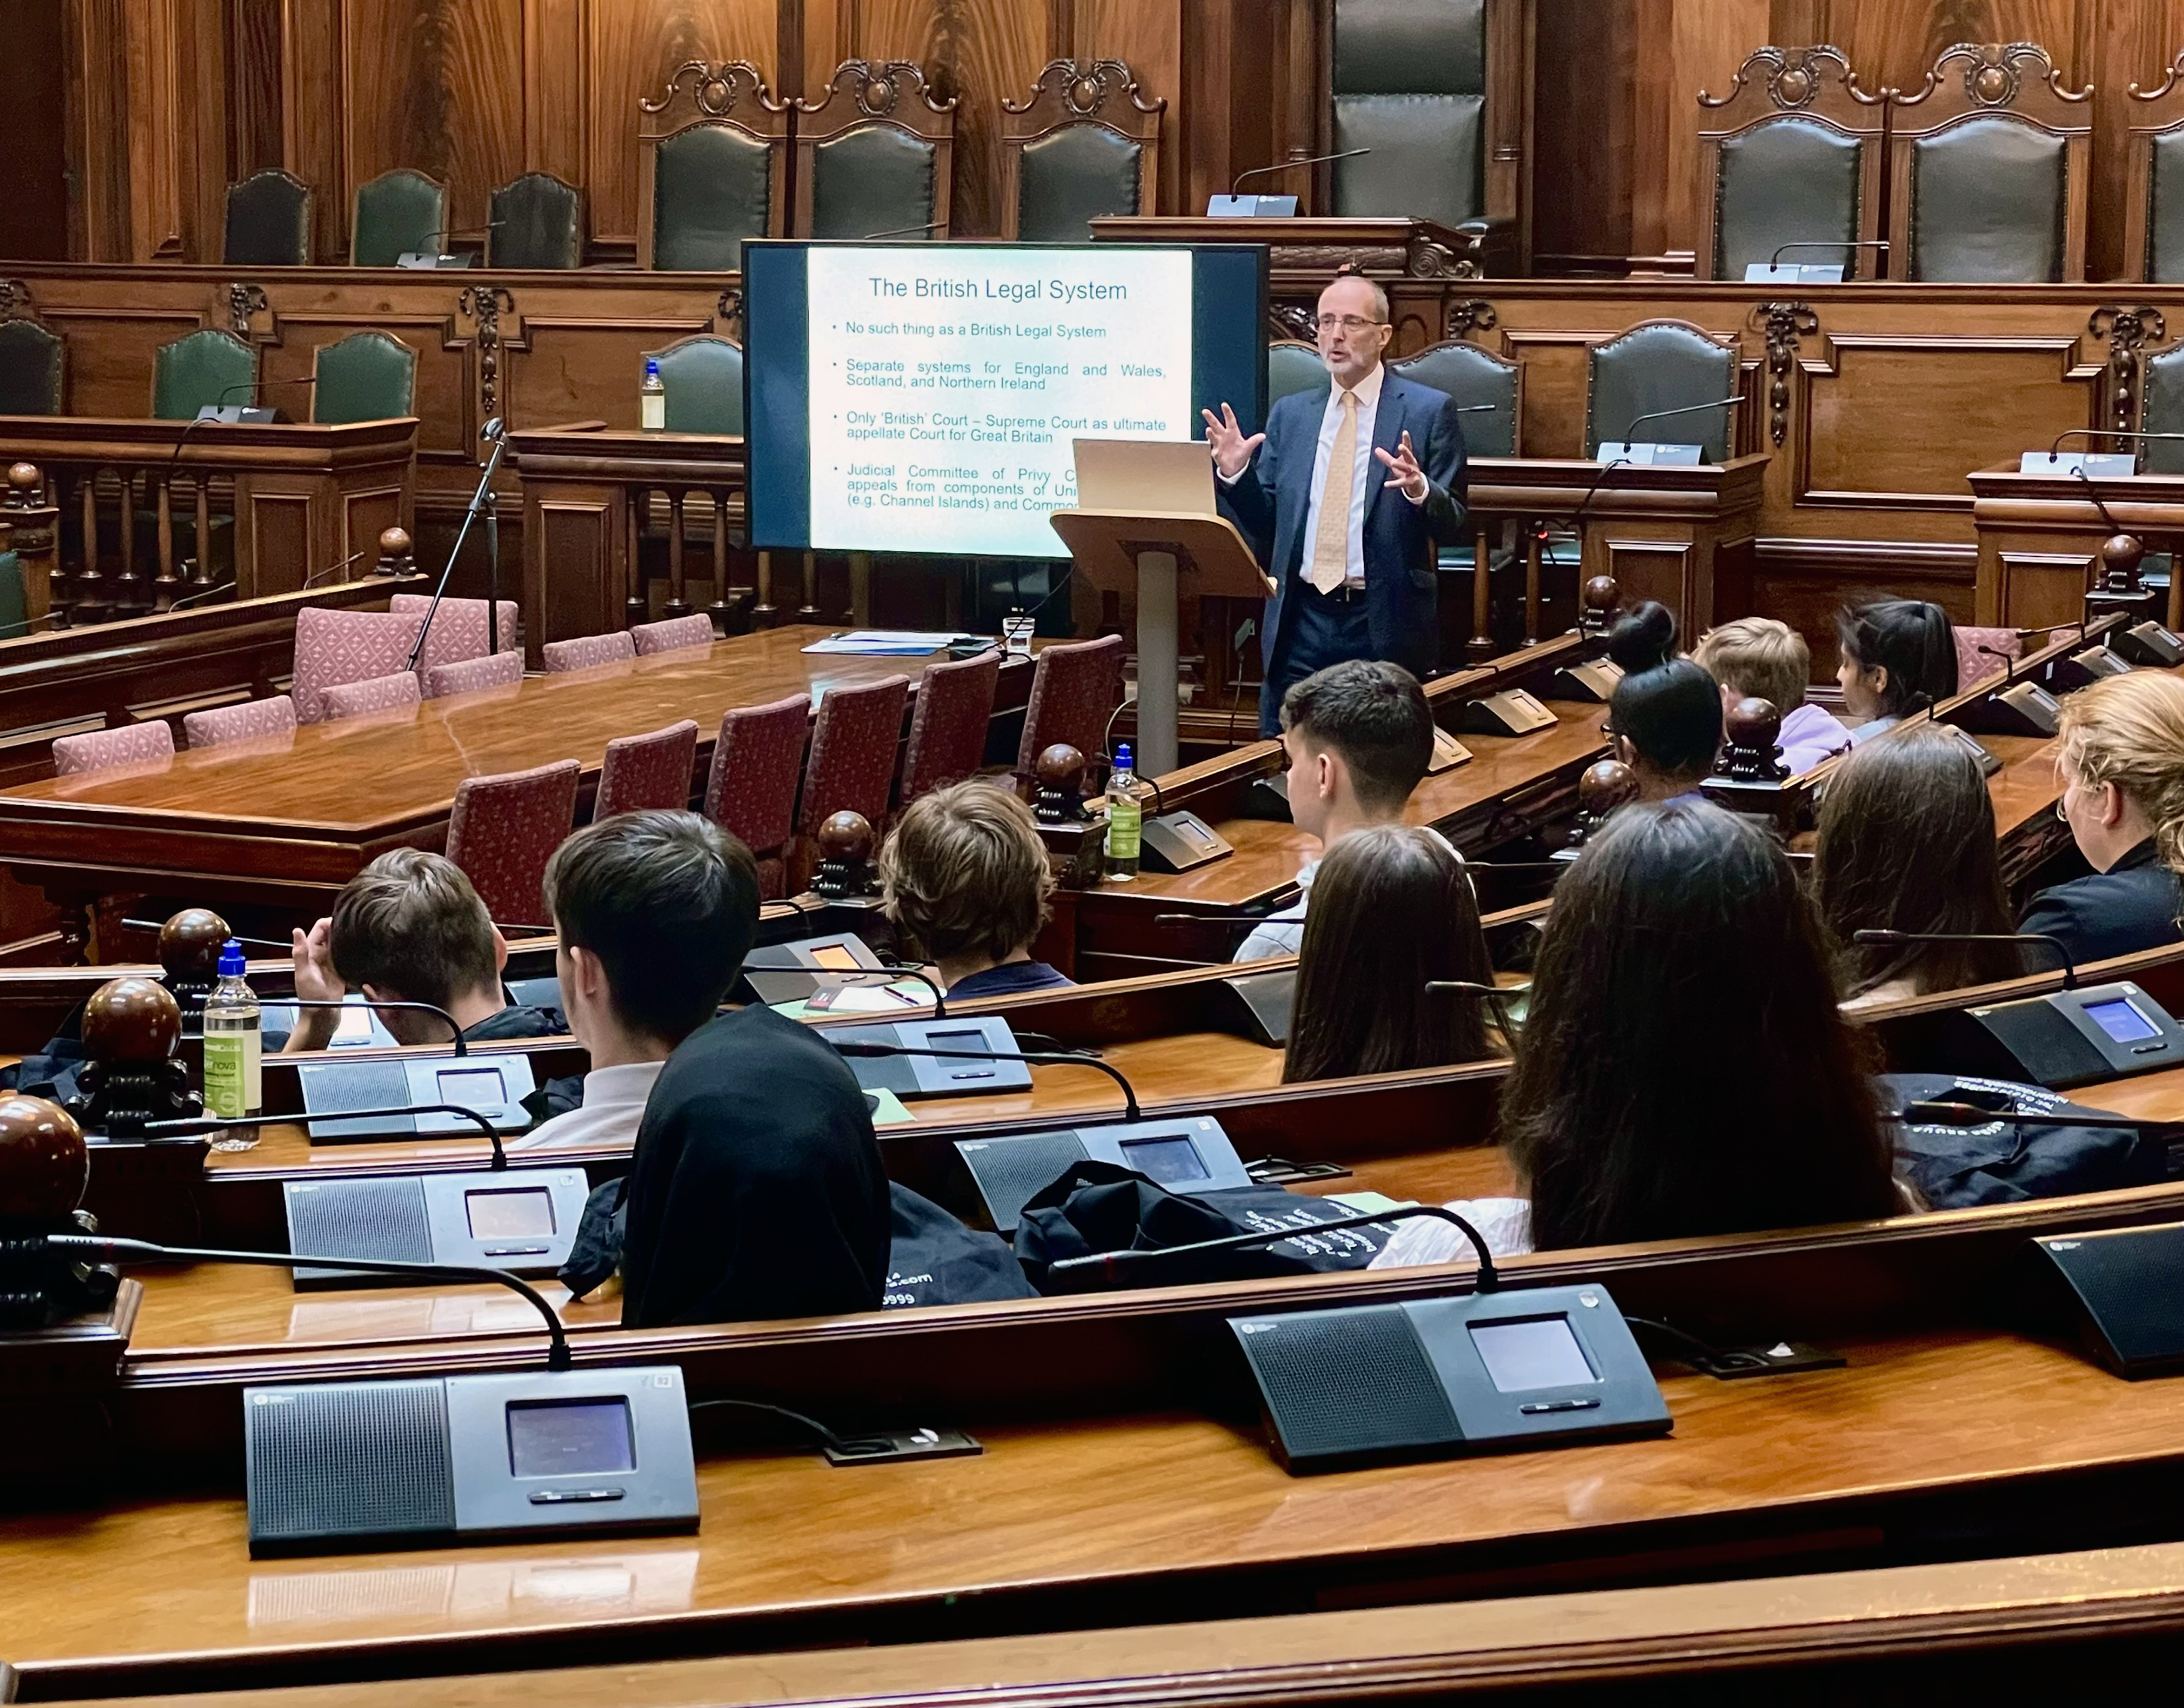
point(358, 1219)
point(1012, 1172)
point(1347, 1381)
point(333, 1087)
point(365, 1458)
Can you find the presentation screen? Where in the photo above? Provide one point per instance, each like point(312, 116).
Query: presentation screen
point(925, 397)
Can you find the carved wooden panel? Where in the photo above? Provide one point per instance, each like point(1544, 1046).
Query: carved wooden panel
point(558, 369)
point(2038, 587)
point(275, 554)
point(576, 537)
point(110, 353)
point(442, 398)
point(362, 517)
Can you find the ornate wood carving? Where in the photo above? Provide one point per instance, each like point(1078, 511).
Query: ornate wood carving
point(242, 302)
point(2128, 330)
point(486, 304)
point(729, 310)
point(1783, 324)
point(14, 300)
point(1084, 89)
point(1794, 78)
point(1471, 314)
point(717, 91)
point(1994, 73)
point(1427, 260)
point(1291, 320)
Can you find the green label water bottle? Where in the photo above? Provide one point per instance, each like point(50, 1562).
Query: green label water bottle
point(652, 400)
point(1124, 818)
point(234, 1082)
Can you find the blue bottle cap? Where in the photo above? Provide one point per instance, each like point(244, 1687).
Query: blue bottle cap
point(1122, 755)
point(230, 959)
point(651, 368)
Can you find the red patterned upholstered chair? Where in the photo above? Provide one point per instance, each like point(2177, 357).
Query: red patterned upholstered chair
point(1074, 691)
point(588, 651)
point(948, 728)
point(108, 749)
point(469, 675)
point(458, 627)
point(503, 831)
point(374, 694)
point(750, 791)
point(1974, 666)
point(254, 720)
point(337, 646)
point(643, 771)
point(855, 743)
point(673, 635)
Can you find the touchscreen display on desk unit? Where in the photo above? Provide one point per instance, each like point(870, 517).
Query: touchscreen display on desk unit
point(570, 1438)
point(1541, 1353)
point(475, 1088)
point(524, 1213)
point(960, 1043)
point(1168, 1162)
point(835, 957)
point(2121, 1021)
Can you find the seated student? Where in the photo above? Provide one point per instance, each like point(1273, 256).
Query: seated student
point(755, 1190)
point(1898, 657)
point(409, 929)
point(1665, 714)
point(2120, 759)
point(1756, 657)
point(1906, 843)
point(1358, 736)
point(1683, 1069)
point(647, 946)
point(964, 874)
point(1392, 908)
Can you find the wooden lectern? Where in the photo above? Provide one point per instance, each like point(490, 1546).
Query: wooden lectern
point(1152, 551)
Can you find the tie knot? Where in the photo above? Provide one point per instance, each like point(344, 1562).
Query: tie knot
point(1350, 399)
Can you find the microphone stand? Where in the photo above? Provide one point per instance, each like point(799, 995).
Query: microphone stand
point(193, 1125)
point(1059, 1058)
point(1489, 1279)
point(481, 498)
point(1896, 940)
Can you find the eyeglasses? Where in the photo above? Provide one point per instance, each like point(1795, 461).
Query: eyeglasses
point(1348, 323)
point(2062, 803)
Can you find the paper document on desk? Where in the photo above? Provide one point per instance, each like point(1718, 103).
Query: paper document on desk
point(888, 642)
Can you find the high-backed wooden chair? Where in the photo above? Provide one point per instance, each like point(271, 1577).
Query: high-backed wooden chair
point(2154, 204)
point(1474, 375)
point(1791, 154)
point(712, 168)
point(368, 376)
point(1989, 164)
point(31, 369)
point(1293, 365)
point(209, 366)
point(396, 212)
point(703, 375)
point(2160, 409)
point(875, 153)
point(1662, 364)
point(269, 221)
point(1084, 146)
point(538, 221)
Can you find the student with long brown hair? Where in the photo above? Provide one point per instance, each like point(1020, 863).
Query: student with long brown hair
point(1906, 843)
point(1391, 910)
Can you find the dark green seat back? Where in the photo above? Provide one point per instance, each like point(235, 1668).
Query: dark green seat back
point(1660, 366)
point(704, 380)
point(207, 367)
point(2164, 221)
point(1072, 176)
point(1471, 375)
point(1409, 84)
point(29, 370)
point(539, 221)
point(873, 178)
point(368, 377)
point(1987, 201)
point(396, 212)
point(15, 607)
point(1293, 367)
point(269, 221)
point(712, 192)
point(2164, 381)
point(1786, 181)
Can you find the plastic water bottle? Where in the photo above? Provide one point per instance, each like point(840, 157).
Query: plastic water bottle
point(652, 399)
point(234, 1080)
point(1124, 817)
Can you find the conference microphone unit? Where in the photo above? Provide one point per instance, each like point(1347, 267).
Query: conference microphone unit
point(455, 1459)
point(1648, 453)
point(798, 971)
point(2119, 1286)
point(433, 257)
point(251, 414)
point(1233, 206)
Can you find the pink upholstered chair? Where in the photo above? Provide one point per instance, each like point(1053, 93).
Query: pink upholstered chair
point(948, 728)
point(750, 791)
point(643, 771)
point(252, 720)
point(503, 831)
point(377, 693)
point(109, 750)
point(1074, 691)
point(458, 627)
point(469, 675)
point(1974, 666)
point(337, 646)
point(588, 651)
point(673, 635)
point(852, 763)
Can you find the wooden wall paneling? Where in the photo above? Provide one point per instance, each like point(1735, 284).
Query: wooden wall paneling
point(561, 368)
point(315, 95)
point(557, 72)
point(254, 86)
point(443, 398)
point(110, 353)
point(1148, 37)
point(1585, 96)
point(150, 53)
point(34, 217)
point(1510, 40)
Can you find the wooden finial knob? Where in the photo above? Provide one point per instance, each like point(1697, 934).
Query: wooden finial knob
point(1600, 593)
point(44, 1164)
point(131, 1021)
point(23, 484)
point(395, 552)
point(2121, 555)
point(1606, 786)
point(1753, 722)
point(1062, 767)
point(189, 943)
point(846, 836)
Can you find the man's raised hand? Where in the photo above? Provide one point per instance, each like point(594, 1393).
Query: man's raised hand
point(1403, 470)
point(1232, 448)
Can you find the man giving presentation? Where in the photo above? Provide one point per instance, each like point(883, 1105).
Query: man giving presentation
point(1348, 496)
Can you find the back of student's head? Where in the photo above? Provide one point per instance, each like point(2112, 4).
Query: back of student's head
point(965, 874)
point(1913, 640)
point(1375, 716)
point(668, 901)
point(2128, 730)
point(1390, 909)
point(1667, 707)
point(410, 926)
point(1906, 843)
point(1756, 657)
point(1683, 1069)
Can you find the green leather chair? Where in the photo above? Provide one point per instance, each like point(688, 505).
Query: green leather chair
point(1084, 147)
point(396, 212)
point(206, 367)
point(269, 221)
point(873, 179)
point(367, 376)
point(1472, 376)
point(712, 192)
point(1790, 180)
point(2162, 380)
point(2164, 213)
point(538, 222)
point(1072, 176)
point(30, 369)
point(1409, 80)
point(704, 380)
point(14, 603)
point(1660, 365)
point(1988, 200)
point(1292, 366)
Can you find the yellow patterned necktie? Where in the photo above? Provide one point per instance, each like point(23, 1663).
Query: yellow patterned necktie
point(1330, 545)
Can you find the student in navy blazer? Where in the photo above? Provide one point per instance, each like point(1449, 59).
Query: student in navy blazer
point(1369, 590)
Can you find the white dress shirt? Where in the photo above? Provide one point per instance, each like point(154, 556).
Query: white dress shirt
point(613, 1106)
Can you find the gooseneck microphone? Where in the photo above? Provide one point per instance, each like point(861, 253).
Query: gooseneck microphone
point(101, 1250)
point(1285, 165)
point(195, 1125)
point(1726, 403)
point(901, 232)
point(2055, 449)
point(1490, 1280)
point(1891, 940)
point(462, 1044)
point(1880, 244)
point(496, 435)
point(1056, 1058)
point(902, 969)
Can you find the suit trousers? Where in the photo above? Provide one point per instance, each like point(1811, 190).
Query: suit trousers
point(1324, 628)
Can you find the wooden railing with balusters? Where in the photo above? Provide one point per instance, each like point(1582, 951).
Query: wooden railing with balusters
point(29, 526)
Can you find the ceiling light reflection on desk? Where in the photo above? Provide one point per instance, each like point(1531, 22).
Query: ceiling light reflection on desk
point(602, 1586)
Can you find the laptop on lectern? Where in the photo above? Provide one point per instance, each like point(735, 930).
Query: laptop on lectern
point(1163, 476)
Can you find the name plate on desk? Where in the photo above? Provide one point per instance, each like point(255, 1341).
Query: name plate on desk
point(1448, 753)
point(1251, 207)
point(1513, 711)
point(1762, 273)
point(2104, 465)
point(1178, 841)
point(1647, 453)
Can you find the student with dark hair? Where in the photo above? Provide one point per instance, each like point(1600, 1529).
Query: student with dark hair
point(648, 912)
point(1906, 843)
point(1665, 714)
point(1683, 1069)
point(1358, 736)
point(965, 876)
point(1393, 909)
point(1898, 656)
